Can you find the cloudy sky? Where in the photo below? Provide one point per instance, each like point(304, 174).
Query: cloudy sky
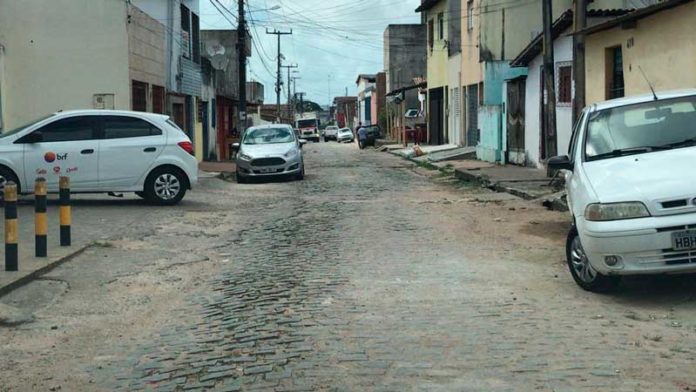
point(332, 42)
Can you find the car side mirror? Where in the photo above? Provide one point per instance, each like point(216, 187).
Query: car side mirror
point(34, 137)
point(302, 142)
point(560, 163)
point(235, 146)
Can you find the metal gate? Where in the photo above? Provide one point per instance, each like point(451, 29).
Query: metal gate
point(472, 105)
point(515, 121)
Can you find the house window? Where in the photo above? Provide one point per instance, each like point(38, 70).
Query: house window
point(564, 72)
point(614, 73)
point(480, 93)
point(470, 15)
point(158, 99)
point(431, 34)
point(185, 31)
point(139, 96)
point(441, 26)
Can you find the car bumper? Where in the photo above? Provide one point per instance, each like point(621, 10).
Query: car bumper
point(642, 246)
point(309, 136)
point(291, 166)
point(345, 139)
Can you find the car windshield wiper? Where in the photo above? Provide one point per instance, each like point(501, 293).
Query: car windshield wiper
point(683, 143)
point(629, 151)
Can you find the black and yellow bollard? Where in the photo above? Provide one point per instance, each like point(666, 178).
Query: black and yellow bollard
point(65, 218)
point(11, 249)
point(40, 221)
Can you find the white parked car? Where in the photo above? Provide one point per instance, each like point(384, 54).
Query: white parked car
point(102, 151)
point(630, 190)
point(345, 135)
point(268, 151)
point(331, 133)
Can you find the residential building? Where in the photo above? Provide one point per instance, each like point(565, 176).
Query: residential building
point(471, 72)
point(437, 55)
point(404, 60)
point(182, 45)
point(147, 61)
point(346, 111)
point(504, 30)
point(404, 46)
point(365, 85)
point(523, 122)
point(379, 100)
point(43, 68)
point(654, 43)
point(219, 49)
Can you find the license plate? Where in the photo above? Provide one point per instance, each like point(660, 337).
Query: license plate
point(684, 240)
point(264, 171)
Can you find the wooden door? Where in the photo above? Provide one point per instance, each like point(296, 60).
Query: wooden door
point(515, 122)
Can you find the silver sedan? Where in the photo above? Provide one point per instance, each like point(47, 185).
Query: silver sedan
point(269, 150)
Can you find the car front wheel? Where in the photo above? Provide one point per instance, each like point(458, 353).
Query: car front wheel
point(165, 186)
point(582, 271)
point(6, 175)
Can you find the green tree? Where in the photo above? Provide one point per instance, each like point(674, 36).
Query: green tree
point(309, 106)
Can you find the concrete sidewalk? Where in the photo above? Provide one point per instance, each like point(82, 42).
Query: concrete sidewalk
point(218, 167)
point(95, 220)
point(527, 183)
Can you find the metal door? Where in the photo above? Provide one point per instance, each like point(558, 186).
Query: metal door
point(436, 116)
point(515, 121)
point(472, 105)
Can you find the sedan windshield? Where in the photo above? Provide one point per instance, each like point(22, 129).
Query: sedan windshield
point(269, 136)
point(641, 128)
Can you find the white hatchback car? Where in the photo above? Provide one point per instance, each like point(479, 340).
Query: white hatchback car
point(102, 151)
point(630, 190)
point(331, 133)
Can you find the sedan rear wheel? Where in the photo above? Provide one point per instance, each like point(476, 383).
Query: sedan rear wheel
point(165, 186)
point(581, 269)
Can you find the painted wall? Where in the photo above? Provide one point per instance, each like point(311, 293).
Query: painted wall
point(472, 69)
point(404, 49)
point(455, 127)
point(146, 48)
point(495, 73)
point(52, 64)
point(662, 44)
point(506, 30)
point(437, 58)
point(563, 48)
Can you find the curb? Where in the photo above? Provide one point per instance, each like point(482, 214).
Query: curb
point(41, 271)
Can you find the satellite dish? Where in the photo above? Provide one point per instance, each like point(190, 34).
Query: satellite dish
point(214, 47)
point(219, 62)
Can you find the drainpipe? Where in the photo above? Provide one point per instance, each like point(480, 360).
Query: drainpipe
point(170, 45)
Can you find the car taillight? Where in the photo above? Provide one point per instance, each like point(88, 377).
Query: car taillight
point(187, 146)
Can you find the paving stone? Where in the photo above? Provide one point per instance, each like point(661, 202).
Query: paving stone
point(258, 369)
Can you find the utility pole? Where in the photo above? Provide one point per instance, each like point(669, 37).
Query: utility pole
point(579, 23)
point(301, 102)
point(241, 55)
point(289, 67)
point(280, 64)
point(294, 95)
point(549, 82)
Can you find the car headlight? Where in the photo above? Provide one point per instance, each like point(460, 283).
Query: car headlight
point(616, 211)
point(244, 157)
point(291, 153)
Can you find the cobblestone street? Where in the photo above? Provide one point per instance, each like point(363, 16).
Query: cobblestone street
point(372, 274)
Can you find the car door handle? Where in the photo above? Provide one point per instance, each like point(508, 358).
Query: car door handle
point(150, 149)
point(87, 151)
